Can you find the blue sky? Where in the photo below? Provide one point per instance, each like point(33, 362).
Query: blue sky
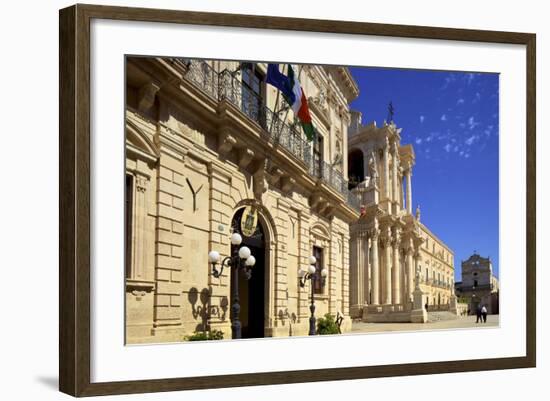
point(451, 118)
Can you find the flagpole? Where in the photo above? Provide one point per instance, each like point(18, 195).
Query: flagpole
point(276, 106)
point(288, 107)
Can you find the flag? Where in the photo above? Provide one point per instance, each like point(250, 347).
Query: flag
point(293, 94)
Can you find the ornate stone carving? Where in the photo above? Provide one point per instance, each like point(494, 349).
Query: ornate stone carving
point(385, 237)
point(373, 170)
point(275, 175)
point(146, 96)
point(226, 143)
point(187, 131)
point(287, 183)
point(259, 181)
point(141, 183)
point(245, 157)
point(396, 239)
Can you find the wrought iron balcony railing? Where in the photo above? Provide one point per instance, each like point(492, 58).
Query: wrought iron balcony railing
point(225, 85)
point(275, 129)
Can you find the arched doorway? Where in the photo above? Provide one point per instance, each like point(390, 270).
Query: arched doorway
point(252, 292)
point(356, 172)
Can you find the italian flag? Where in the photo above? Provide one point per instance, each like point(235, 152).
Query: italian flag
point(293, 94)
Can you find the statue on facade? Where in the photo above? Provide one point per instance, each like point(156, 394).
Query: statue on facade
point(418, 212)
point(373, 172)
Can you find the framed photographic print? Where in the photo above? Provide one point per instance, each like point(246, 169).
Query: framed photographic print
point(237, 203)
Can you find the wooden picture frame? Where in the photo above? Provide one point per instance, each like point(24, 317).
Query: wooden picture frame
point(74, 203)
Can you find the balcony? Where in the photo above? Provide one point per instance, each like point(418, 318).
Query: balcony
point(224, 85)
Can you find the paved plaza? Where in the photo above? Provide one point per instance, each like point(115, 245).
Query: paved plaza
point(461, 322)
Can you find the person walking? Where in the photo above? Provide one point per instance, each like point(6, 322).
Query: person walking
point(478, 314)
point(484, 314)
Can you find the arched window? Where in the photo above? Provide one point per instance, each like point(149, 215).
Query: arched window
point(356, 172)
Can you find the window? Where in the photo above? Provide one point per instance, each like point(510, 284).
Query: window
point(318, 253)
point(128, 220)
point(252, 97)
point(427, 275)
point(475, 283)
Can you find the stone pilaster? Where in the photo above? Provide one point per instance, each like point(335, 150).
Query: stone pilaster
point(396, 273)
point(169, 246)
point(375, 269)
point(395, 185)
point(140, 213)
point(410, 271)
point(386, 171)
point(357, 272)
point(281, 261)
point(386, 243)
point(408, 175)
point(366, 278)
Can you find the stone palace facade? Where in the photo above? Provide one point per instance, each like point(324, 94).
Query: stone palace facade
point(392, 253)
point(204, 140)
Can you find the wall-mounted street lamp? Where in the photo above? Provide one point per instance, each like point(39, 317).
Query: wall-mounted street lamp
point(313, 275)
point(240, 260)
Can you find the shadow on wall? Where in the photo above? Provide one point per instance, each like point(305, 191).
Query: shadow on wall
point(284, 315)
point(203, 309)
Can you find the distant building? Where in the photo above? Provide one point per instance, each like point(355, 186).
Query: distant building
point(479, 285)
point(391, 250)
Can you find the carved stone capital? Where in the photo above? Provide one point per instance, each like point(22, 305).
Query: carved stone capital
point(396, 238)
point(141, 183)
point(386, 237)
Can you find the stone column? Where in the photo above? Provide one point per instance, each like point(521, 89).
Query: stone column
point(375, 269)
point(396, 274)
point(366, 286)
point(360, 267)
point(410, 272)
point(408, 174)
point(395, 197)
point(386, 242)
point(386, 171)
point(356, 283)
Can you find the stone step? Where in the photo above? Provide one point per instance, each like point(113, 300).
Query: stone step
point(439, 316)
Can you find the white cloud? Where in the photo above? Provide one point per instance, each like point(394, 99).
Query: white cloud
point(470, 140)
point(418, 141)
point(470, 77)
point(447, 148)
point(460, 101)
point(472, 123)
point(421, 119)
point(448, 80)
point(443, 117)
point(477, 97)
